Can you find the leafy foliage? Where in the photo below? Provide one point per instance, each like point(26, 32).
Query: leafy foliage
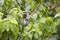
point(44, 16)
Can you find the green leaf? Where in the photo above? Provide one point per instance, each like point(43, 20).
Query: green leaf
point(13, 11)
point(7, 26)
point(49, 20)
point(1, 15)
point(42, 20)
point(2, 27)
point(34, 16)
point(12, 36)
point(58, 9)
point(12, 20)
point(33, 30)
point(4, 36)
point(14, 29)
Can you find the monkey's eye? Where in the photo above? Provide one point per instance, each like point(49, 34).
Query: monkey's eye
point(24, 15)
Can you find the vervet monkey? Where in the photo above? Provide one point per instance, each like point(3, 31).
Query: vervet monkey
point(25, 18)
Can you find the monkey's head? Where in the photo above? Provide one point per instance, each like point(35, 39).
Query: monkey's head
point(25, 14)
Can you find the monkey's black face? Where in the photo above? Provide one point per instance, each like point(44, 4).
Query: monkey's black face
point(24, 15)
